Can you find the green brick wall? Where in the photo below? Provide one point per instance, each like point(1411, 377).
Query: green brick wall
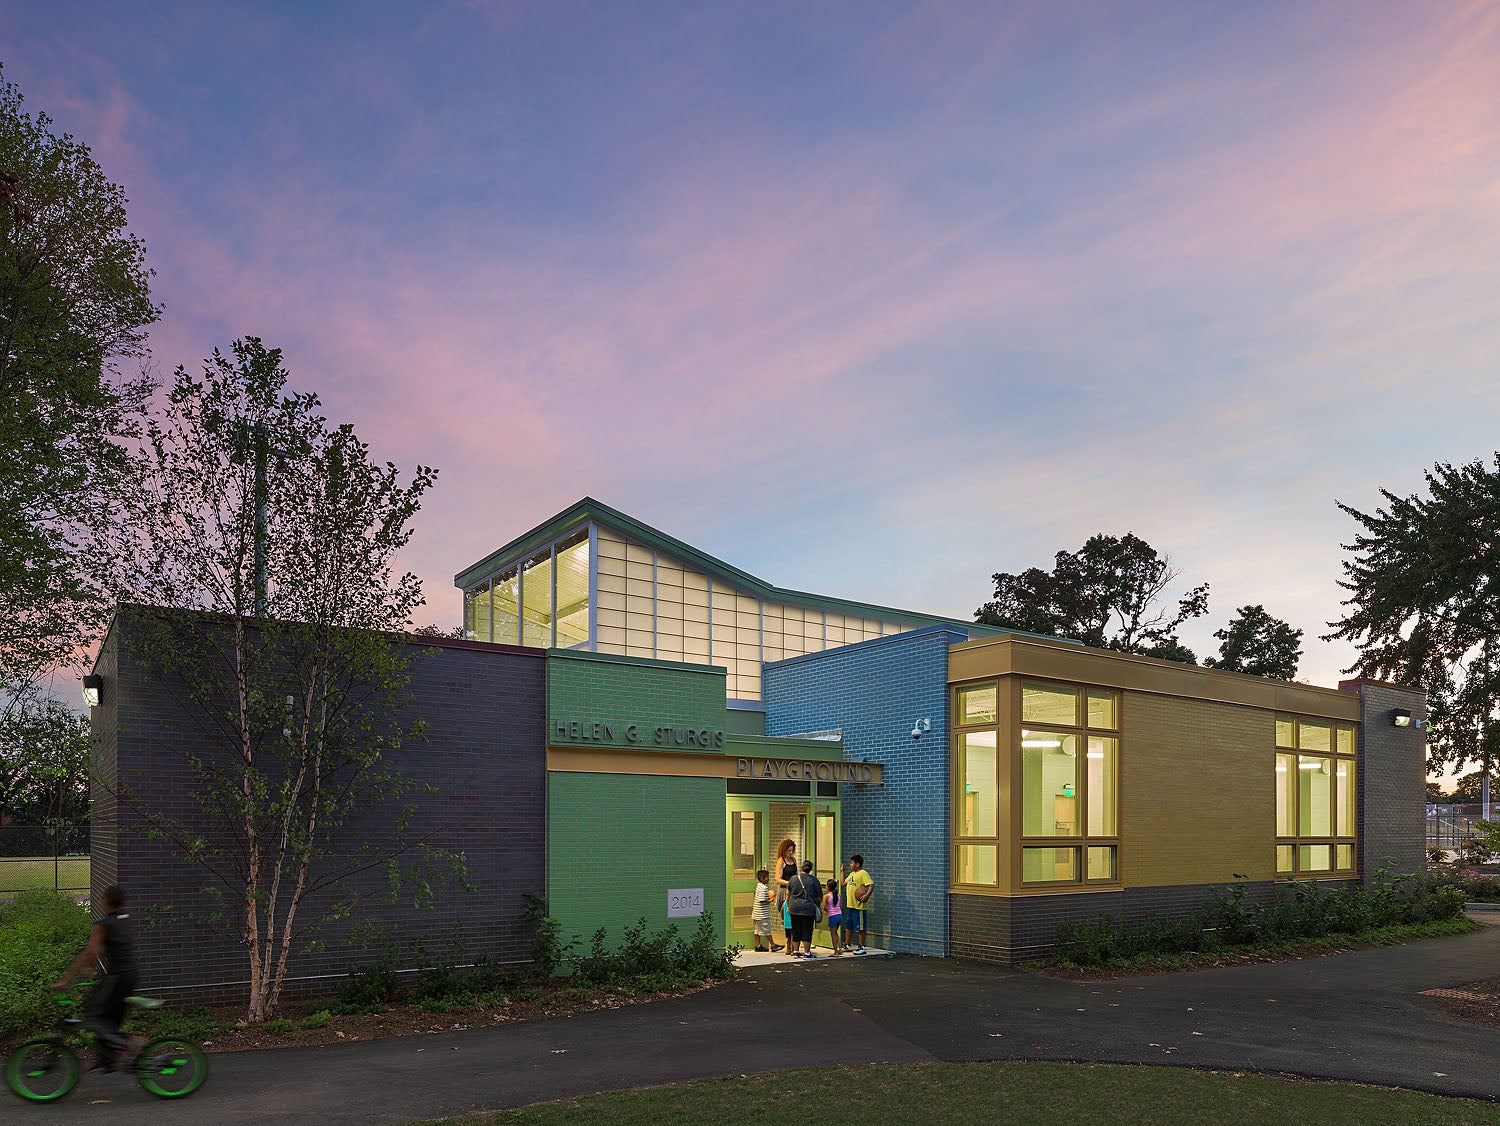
point(602, 688)
point(618, 842)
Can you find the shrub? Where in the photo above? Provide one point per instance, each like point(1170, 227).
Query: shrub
point(657, 955)
point(549, 953)
point(1298, 910)
point(41, 933)
point(1475, 885)
point(194, 1022)
point(279, 1027)
point(319, 1019)
point(375, 984)
point(350, 1008)
point(439, 983)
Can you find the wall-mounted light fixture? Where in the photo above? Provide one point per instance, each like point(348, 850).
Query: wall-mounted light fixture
point(93, 684)
point(1400, 718)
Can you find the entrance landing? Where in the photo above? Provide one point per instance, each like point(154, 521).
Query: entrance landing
point(750, 958)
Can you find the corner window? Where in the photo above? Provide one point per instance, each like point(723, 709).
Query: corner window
point(543, 602)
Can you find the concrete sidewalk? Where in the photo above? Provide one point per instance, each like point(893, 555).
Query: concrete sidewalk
point(1353, 1016)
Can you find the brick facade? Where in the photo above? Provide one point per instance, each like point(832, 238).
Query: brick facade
point(874, 691)
point(482, 757)
point(1392, 776)
point(1197, 791)
point(618, 842)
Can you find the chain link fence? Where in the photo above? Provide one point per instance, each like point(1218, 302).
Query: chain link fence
point(51, 857)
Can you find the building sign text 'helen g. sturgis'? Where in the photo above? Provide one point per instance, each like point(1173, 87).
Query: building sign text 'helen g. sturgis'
point(637, 734)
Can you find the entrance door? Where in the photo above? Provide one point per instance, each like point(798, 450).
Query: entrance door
point(746, 855)
point(756, 828)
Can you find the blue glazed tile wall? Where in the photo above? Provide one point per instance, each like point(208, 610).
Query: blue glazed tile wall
point(874, 691)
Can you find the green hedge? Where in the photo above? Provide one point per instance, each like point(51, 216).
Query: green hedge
point(41, 933)
point(1298, 909)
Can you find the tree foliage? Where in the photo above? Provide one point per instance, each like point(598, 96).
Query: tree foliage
point(44, 762)
point(1466, 788)
point(75, 304)
point(259, 545)
point(1110, 594)
point(1423, 604)
point(1254, 642)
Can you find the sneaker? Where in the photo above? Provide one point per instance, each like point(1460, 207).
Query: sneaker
point(858, 950)
point(809, 955)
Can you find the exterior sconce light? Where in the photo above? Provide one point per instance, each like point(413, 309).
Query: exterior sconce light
point(1400, 718)
point(93, 684)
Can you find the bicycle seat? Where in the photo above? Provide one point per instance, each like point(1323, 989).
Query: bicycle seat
point(143, 1002)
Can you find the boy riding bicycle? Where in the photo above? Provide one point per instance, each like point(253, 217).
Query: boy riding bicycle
point(110, 950)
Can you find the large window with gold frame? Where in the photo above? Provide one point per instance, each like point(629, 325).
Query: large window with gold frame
point(1058, 773)
point(1067, 777)
point(1316, 798)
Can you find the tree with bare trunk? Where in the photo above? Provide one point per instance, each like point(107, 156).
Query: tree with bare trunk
point(257, 555)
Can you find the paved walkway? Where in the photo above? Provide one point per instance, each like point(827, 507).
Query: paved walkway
point(1353, 1016)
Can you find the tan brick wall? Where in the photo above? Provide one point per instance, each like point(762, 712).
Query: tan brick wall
point(1197, 791)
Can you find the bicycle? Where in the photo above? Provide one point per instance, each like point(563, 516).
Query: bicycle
point(46, 1068)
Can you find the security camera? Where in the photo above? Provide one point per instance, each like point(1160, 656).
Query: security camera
point(920, 726)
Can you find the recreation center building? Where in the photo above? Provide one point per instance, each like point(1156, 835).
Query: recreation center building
point(631, 725)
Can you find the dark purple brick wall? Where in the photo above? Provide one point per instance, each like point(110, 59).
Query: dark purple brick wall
point(1392, 773)
point(484, 755)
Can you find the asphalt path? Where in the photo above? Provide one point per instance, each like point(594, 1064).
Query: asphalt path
point(1357, 1016)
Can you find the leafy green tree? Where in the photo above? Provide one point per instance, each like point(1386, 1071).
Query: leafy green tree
point(1435, 794)
point(1110, 594)
point(1256, 643)
point(44, 762)
point(259, 547)
point(1467, 787)
point(1423, 605)
point(75, 303)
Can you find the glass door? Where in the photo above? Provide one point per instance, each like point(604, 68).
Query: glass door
point(746, 855)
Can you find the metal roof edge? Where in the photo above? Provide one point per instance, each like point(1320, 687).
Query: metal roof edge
point(589, 508)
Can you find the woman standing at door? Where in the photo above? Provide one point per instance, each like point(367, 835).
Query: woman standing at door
point(802, 903)
point(786, 865)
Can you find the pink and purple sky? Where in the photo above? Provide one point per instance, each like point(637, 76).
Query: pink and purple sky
point(869, 299)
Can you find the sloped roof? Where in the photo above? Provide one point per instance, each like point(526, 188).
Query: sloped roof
point(632, 529)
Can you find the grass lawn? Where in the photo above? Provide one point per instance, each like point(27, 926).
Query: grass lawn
point(33, 873)
point(1023, 1094)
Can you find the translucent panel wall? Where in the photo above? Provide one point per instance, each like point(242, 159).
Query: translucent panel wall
point(651, 604)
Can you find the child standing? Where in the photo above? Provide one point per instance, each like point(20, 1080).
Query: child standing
point(760, 912)
point(834, 914)
point(858, 887)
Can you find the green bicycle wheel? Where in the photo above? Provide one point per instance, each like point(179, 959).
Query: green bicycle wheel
point(41, 1071)
point(171, 1068)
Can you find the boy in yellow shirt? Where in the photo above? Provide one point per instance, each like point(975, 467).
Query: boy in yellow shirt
point(858, 887)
